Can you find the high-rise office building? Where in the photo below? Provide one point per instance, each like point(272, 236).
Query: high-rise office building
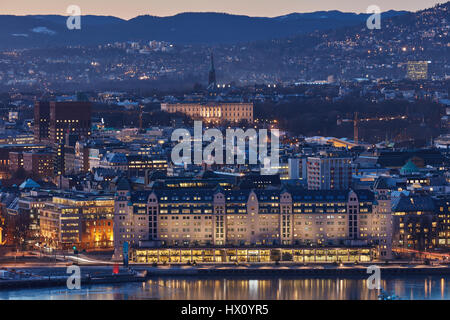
point(41, 121)
point(53, 120)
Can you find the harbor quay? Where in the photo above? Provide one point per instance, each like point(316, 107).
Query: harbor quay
point(51, 276)
point(58, 276)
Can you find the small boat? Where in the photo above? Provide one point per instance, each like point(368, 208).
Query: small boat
point(385, 296)
point(142, 274)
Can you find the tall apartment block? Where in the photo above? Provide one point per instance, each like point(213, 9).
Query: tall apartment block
point(329, 172)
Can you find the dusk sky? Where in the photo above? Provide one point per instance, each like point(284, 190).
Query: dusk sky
point(131, 8)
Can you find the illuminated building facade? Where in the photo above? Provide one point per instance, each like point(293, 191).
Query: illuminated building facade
point(417, 70)
point(140, 163)
point(443, 209)
point(249, 218)
point(29, 206)
point(41, 121)
point(329, 172)
point(257, 254)
point(85, 221)
point(18, 139)
point(40, 163)
point(133, 163)
point(415, 223)
point(81, 158)
point(213, 111)
point(53, 120)
point(16, 161)
point(8, 164)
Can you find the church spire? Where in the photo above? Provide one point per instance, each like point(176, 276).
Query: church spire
point(212, 73)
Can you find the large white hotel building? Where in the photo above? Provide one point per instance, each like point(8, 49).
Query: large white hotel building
point(172, 220)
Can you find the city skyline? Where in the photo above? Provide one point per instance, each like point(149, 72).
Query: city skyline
point(215, 158)
point(265, 8)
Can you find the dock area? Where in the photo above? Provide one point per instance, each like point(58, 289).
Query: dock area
point(41, 277)
point(28, 280)
point(294, 270)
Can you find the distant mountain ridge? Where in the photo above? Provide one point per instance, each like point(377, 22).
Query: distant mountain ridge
point(185, 28)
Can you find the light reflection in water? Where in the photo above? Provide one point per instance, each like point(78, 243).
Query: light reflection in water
point(243, 288)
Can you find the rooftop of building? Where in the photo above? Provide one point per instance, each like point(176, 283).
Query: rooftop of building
point(413, 203)
point(209, 102)
point(242, 195)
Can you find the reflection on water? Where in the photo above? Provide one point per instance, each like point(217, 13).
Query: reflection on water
point(416, 288)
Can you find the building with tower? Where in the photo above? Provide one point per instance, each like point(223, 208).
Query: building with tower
point(213, 111)
point(212, 83)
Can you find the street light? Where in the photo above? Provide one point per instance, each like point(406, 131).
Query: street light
point(75, 251)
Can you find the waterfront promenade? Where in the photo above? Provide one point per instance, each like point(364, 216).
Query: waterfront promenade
point(47, 271)
point(58, 272)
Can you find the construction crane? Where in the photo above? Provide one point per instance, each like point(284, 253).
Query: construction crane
point(356, 122)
